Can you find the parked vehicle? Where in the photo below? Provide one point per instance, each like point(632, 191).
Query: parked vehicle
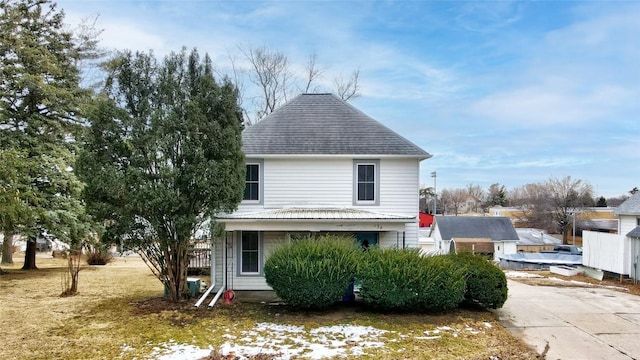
point(569, 249)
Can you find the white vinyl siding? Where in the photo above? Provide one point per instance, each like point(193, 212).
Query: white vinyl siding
point(627, 223)
point(329, 182)
point(399, 186)
point(270, 241)
point(308, 182)
point(237, 281)
point(324, 182)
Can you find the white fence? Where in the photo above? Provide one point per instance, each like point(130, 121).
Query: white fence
point(605, 251)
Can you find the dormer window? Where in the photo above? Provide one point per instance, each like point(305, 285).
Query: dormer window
point(366, 188)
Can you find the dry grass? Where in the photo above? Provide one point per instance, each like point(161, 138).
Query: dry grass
point(120, 305)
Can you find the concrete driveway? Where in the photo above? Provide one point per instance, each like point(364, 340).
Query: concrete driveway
point(577, 323)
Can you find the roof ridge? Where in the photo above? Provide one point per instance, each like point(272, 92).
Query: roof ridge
point(324, 124)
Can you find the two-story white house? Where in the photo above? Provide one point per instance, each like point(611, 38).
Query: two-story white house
point(318, 165)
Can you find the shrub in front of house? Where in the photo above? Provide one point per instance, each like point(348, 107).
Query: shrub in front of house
point(312, 272)
point(486, 283)
point(402, 280)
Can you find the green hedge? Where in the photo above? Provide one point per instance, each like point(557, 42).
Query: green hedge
point(486, 283)
point(313, 272)
point(401, 279)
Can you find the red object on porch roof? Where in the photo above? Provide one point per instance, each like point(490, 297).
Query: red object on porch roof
point(426, 219)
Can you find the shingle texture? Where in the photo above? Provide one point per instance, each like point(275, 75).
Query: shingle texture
point(323, 124)
point(488, 227)
point(635, 233)
point(631, 206)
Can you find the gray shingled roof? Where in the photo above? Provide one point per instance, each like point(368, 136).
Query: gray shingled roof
point(323, 124)
point(631, 206)
point(635, 233)
point(489, 227)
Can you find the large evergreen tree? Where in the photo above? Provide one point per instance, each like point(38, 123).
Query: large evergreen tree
point(162, 155)
point(497, 195)
point(40, 100)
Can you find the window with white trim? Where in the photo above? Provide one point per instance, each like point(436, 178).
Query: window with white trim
point(250, 249)
point(366, 187)
point(254, 181)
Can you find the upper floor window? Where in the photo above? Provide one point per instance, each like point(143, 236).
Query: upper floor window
point(366, 182)
point(253, 182)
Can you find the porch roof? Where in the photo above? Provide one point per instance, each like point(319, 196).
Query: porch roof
point(635, 233)
point(316, 214)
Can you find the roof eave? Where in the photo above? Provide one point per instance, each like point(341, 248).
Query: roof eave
point(419, 157)
point(240, 220)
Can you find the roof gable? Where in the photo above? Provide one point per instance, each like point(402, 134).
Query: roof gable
point(489, 227)
point(323, 124)
point(631, 206)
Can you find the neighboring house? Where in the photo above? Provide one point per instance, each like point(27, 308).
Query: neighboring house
point(318, 165)
point(471, 205)
point(592, 218)
point(618, 253)
point(488, 235)
point(602, 219)
point(534, 240)
point(513, 213)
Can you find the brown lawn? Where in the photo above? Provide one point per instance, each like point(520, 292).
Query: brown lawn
point(119, 313)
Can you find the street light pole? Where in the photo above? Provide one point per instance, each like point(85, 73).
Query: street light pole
point(435, 194)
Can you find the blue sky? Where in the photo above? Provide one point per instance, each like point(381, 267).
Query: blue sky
point(498, 91)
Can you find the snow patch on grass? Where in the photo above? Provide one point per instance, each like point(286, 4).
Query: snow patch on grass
point(521, 274)
point(287, 341)
point(586, 284)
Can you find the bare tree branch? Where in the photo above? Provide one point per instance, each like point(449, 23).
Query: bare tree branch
point(313, 72)
point(271, 74)
point(348, 89)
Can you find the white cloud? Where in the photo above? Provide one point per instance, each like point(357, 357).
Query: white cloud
point(124, 35)
point(545, 105)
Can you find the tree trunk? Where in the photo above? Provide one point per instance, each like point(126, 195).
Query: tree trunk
point(7, 248)
point(30, 255)
point(565, 236)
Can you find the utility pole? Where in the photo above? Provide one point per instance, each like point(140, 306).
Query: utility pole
point(435, 194)
point(574, 228)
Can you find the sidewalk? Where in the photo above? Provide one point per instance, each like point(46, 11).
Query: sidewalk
point(576, 323)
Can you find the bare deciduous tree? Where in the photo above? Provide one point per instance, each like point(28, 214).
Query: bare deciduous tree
point(452, 200)
point(313, 72)
point(568, 197)
point(477, 194)
point(348, 89)
point(551, 205)
point(275, 81)
point(271, 74)
point(533, 202)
